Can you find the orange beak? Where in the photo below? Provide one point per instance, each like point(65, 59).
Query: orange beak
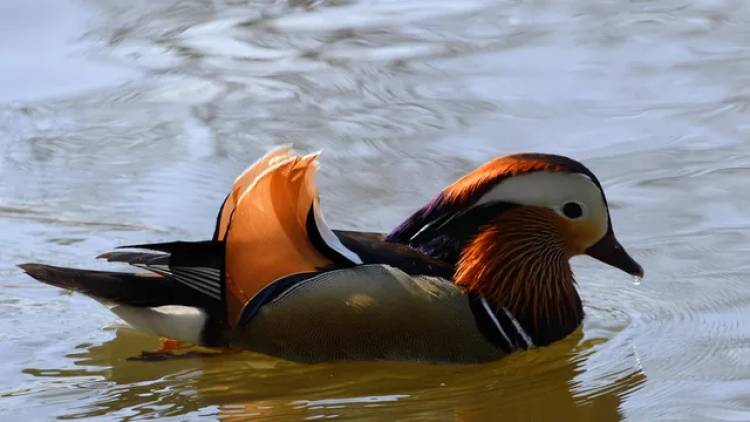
point(609, 251)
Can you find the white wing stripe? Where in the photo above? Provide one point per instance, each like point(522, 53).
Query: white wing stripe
point(209, 272)
point(198, 281)
point(329, 238)
point(185, 281)
point(209, 280)
point(197, 287)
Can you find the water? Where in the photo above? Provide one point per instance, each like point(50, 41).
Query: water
point(127, 122)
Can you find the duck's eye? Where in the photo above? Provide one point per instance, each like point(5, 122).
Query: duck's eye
point(572, 210)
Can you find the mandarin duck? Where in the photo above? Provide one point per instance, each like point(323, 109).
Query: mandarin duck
point(479, 272)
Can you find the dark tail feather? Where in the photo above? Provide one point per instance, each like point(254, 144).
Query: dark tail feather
point(123, 288)
point(207, 253)
point(136, 258)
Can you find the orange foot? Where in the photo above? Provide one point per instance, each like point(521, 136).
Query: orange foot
point(169, 345)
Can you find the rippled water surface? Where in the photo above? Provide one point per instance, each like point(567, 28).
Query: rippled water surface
point(125, 122)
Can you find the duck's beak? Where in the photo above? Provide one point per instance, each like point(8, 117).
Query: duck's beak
point(609, 251)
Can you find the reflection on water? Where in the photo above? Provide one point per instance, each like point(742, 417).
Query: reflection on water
point(125, 122)
point(532, 386)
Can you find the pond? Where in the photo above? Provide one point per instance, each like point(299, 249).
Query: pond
point(126, 122)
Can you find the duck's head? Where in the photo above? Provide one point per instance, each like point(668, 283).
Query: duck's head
point(511, 225)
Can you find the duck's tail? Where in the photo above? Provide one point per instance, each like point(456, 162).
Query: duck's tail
point(178, 298)
point(115, 287)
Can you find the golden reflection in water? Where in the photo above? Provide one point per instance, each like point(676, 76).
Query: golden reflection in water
point(534, 385)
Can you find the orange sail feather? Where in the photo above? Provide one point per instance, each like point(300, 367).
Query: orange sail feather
point(267, 236)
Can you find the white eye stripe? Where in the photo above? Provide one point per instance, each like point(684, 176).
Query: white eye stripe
point(542, 188)
point(553, 190)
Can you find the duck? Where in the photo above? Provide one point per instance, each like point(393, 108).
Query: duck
point(479, 272)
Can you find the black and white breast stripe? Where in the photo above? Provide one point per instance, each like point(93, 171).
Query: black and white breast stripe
point(499, 326)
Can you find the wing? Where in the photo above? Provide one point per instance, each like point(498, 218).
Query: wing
point(269, 228)
point(196, 265)
point(372, 248)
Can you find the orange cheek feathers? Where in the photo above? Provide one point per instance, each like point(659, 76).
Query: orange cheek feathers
point(578, 236)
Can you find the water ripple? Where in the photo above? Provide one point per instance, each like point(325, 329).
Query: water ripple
point(403, 98)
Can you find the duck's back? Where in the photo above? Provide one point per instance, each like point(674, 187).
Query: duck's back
point(365, 313)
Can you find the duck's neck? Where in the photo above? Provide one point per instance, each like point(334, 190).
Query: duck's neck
point(520, 264)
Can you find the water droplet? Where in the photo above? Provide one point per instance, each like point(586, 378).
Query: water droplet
point(637, 280)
